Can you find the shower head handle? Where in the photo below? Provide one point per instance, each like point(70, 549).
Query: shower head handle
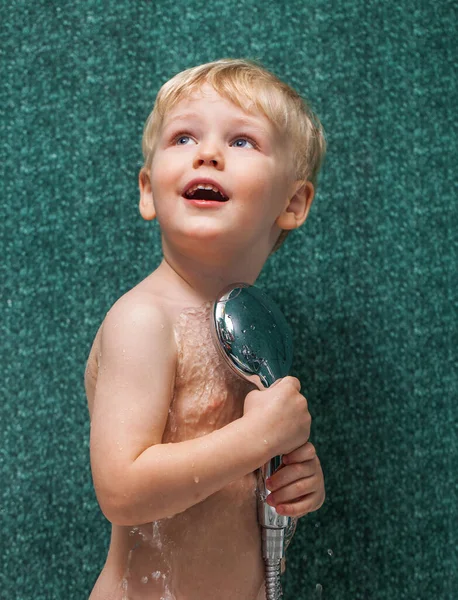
point(254, 339)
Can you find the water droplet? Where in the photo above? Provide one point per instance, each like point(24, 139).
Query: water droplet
point(330, 552)
point(253, 327)
point(265, 442)
point(155, 574)
point(144, 579)
point(243, 330)
point(273, 325)
point(196, 479)
point(317, 524)
point(318, 590)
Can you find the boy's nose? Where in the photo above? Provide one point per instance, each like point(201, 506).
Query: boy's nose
point(210, 155)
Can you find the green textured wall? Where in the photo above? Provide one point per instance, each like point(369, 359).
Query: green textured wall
point(369, 283)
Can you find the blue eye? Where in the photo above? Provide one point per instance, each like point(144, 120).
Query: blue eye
point(183, 140)
point(242, 143)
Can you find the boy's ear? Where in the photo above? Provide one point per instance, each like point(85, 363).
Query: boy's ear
point(146, 204)
point(298, 206)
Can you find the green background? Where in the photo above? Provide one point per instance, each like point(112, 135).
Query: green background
point(368, 284)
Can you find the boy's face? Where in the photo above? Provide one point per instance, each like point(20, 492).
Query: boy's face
point(207, 141)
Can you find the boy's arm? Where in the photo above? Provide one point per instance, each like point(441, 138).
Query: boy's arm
point(137, 478)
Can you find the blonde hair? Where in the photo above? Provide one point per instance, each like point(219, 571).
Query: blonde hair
point(253, 88)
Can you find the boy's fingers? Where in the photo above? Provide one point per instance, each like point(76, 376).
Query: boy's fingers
point(287, 474)
point(293, 491)
point(303, 453)
point(291, 474)
point(302, 506)
point(295, 381)
point(292, 380)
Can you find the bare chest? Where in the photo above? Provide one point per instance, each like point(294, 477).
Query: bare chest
point(207, 395)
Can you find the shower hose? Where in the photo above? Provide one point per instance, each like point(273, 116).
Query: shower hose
point(273, 585)
point(275, 541)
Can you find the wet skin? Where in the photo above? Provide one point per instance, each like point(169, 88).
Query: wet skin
point(212, 549)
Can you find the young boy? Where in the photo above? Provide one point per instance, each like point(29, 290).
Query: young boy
point(231, 160)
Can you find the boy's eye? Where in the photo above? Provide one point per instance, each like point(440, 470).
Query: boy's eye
point(243, 143)
point(183, 140)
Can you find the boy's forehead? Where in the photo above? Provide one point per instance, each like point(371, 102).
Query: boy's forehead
point(192, 103)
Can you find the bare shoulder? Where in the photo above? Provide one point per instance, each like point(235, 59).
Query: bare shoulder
point(139, 308)
point(137, 324)
point(138, 321)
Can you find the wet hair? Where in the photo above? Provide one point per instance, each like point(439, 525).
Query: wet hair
point(253, 88)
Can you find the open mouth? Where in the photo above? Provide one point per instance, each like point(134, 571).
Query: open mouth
point(205, 191)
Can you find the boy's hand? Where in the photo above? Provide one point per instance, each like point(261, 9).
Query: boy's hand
point(280, 416)
point(297, 487)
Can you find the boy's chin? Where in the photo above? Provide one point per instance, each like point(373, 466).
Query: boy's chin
point(213, 244)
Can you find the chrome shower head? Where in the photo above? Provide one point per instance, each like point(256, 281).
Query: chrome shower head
point(252, 334)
